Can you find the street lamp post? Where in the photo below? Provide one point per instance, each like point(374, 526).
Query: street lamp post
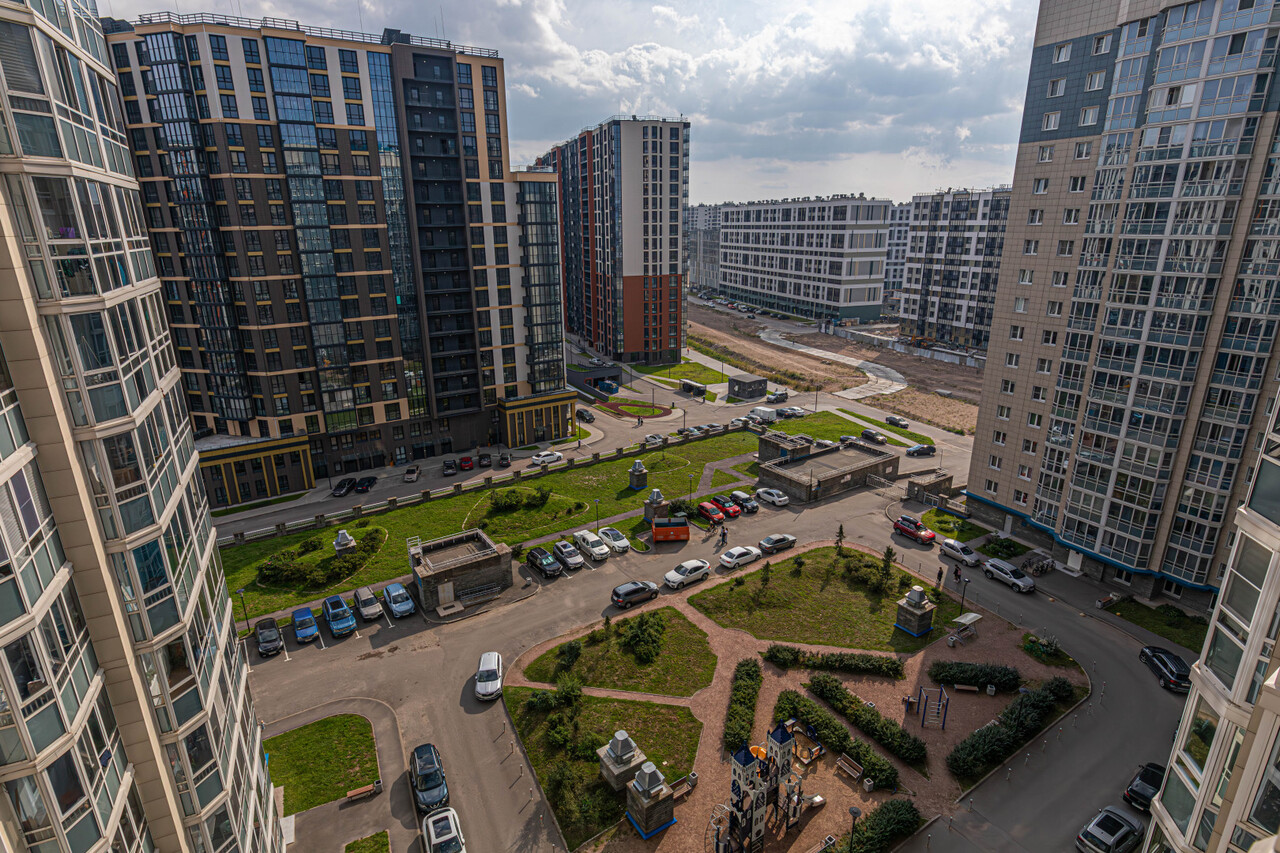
point(964, 589)
point(245, 607)
point(854, 814)
point(597, 514)
point(691, 487)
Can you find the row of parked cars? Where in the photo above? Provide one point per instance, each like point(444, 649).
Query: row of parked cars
point(1112, 830)
point(631, 593)
point(567, 556)
point(338, 616)
point(735, 504)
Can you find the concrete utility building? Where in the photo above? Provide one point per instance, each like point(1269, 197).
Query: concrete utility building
point(747, 386)
point(805, 472)
point(464, 568)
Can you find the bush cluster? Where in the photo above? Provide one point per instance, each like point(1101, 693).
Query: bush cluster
point(1024, 718)
point(568, 654)
point(741, 716)
point(643, 636)
point(890, 821)
point(835, 737)
point(858, 663)
point(1003, 548)
point(1005, 678)
point(868, 720)
point(286, 568)
point(509, 500)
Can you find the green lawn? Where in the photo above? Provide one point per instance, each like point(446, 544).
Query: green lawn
point(605, 480)
point(748, 469)
point(913, 437)
point(691, 370)
point(560, 750)
point(722, 478)
point(826, 425)
point(581, 368)
point(377, 843)
point(1167, 621)
point(685, 665)
point(821, 605)
point(319, 762)
point(232, 510)
point(579, 435)
point(640, 410)
point(949, 526)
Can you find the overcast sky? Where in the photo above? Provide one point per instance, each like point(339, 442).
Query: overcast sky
point(886, 97)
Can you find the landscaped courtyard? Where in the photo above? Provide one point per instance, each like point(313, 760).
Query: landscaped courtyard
point(320, 762)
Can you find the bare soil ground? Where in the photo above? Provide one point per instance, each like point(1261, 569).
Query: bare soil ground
point(923, 373)
point(946, 412)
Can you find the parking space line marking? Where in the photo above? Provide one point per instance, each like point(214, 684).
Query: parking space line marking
point(388, 618)
point(320, 640)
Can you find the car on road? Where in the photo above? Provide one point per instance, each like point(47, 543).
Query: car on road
point(591, 545)
point(546, 457)
point(845, 439)
point(442, 833)
point(344, 487)
point(684, 430)
point(1171, 670)
point(270, 640)
point(305, 629)
point(959, 552)
point(773, 496)
point(338, 616)
point(776, 397)
point(744, 500)
point(726, 505)
point(796, 411)
point(367, 604)
point(712, 427)
point(364, 484)
point(540, 560)
point(874, 436)
point(504, 460)
point(922, 450)
point(567, 555)
point(1010, 574)
point(584, 415)
point(466, 463)
point(489, 676)
point(597, 362)
point(775, 542)
point(913, 528)
point(898, 421)
point(450, 468)
point(1110, 831)
point(693, 432)
point(412, 473)
point(687, 572)
point(485, 460)
point(710, 512)
point(737, 422)
point(653, 439)
point(614, 538)
point(398, 600)
point(739, 556)
point(426, 778)
point(633, 592)
point(751, 316)
point(1144, 786)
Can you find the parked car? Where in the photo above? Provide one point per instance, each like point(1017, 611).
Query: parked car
point(845, 439)
point(567, 555)
point(466, 463)
point(270, 640)
point(338, 616)
point(1110, 831)
point(1144, 786)
point(633, 592)
point(412, 473)
point(775, 542)
point(617, 542)
point(710, 512)
point(504, 460)
point(913, 528)
point(364, 484)
point(922, 450)
point(426, 778)
point(744, 500)
point(540, 560)
point(546, 457)
point(687, 572)
point(1010, 574)
point(773, 496)
point(489, 676)
point(653, 439)
point(591, 545)
point(898, 421)
point(485, 460)
point(1171, 671)
point(725, 504)
point(584, 415)
point(737, 422)
point(740, 556)
point(305, 629)
point(344, 487)
point(367, 604)
point(683, 430)
point(776, 397)
point(823, 442)
point(751, 316)
point(712, 427)
point(693, 432)
point(450, 467)
point(398, 600)
point(596, 362)
point(794, 411)
point(959, 552)
point(874, 436)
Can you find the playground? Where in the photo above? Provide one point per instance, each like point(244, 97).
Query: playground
point(805, 798)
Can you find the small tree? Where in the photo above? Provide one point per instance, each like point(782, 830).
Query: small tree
point(886, 561)
point(840, 541)
point(764, 575)
point(568, 654)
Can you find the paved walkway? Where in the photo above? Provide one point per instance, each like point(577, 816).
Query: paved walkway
point(884, 380)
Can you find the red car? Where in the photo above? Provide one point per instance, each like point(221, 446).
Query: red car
point(727, 506)
point(913, 529)
point(710, 512)
point(467, 463)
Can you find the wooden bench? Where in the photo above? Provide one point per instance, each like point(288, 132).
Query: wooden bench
point(825, 844)
point(681, 787)
point(848, 765)
point(361, 793)
point(972, 688)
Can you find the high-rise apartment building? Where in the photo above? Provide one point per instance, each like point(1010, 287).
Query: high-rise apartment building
point(624, 189)
point(702, 237)
point(1136, 306)
point(952, 262)
point(127, 720)
point(895, 262)
point(354, 274)
point(812, 257)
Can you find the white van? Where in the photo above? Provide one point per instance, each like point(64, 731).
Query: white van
point(765, 414)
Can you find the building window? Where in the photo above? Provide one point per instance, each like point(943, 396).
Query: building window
point(1011, 359)
point(1051, 121)
point(1084, 150)
point(1035, 420)
point(1053, 309)
point(1046, 154)
point(1057, 87)
point(1030, 247)
point(1038, 393)
point(1077, 184)
point(1003, 412)
point(1029, 446)
point(1066, 248)
point(1062, 53)
point(251, 54)
point(1015, 333)
point(1019, 497)
point(994, 462)
point(1088, 116)
point(1008, 386)
point(1071, 216)
point(218, 48)
point(348, 62)
point(998, 437)
point(1101, 44)
point(1035, 216)
point(1040, 186)
point(1095, 80)
point(1020, 304)
point(1172, 588)
point(1049, 337)
point(992, 486)
point(1026, 276)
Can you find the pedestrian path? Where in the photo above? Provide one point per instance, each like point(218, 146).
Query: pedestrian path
point(884, 380)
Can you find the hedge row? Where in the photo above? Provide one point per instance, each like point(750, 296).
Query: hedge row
point(1024, 718)
point(1005, 678)
point(868, 720)
point(852, 662)
point(887, 823)
point(741, 717)
point(835, 737)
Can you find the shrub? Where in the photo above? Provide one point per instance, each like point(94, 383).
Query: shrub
point(285, 568)
point(306, 546)
point(1024, 718)
point(1005, 678)
point(538, 499)
point(568, 691)
point(506, 500)
point(888, 822)
point(596, 637)
point(1003, 548)
point(540, 701)
point(568, 654)
point(859, 663)
point(835, 737)
point(783, 656)
point(643, 636)
point(364, 522)
point(744, 691)
point(868, 720)
point(585, 748)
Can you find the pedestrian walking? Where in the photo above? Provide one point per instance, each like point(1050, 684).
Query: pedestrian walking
point(942, 570)
point(957, 573)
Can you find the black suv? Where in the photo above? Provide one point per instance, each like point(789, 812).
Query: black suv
point(270, 640)
point(584, 415)
point(1171, 671)
point(344, 487)
point(450, 467)
point(541, 560)
point(633, 592)
point(426, 778)
point(1144, 787)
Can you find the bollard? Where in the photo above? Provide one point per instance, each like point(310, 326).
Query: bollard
point(513, 748)
point(521, 771)
point(971, 804)
point(1028, 761)
point(928, 841)
point(1059, 732)
point(531, 795)
point(1044, 745)
point(1073, 720)
point(1010, 774)
point(950, 820)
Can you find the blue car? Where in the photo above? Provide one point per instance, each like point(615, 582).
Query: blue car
point(339, 616)
point(398, 600)
point(305, 628)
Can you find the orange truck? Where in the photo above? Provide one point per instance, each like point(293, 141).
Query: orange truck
point(671, 530)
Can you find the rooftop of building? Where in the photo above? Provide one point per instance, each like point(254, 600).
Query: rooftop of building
point(1002, 188)
point(448, 552)
point(817, 199)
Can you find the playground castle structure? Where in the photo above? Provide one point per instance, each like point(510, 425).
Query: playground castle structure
point(764, 789)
